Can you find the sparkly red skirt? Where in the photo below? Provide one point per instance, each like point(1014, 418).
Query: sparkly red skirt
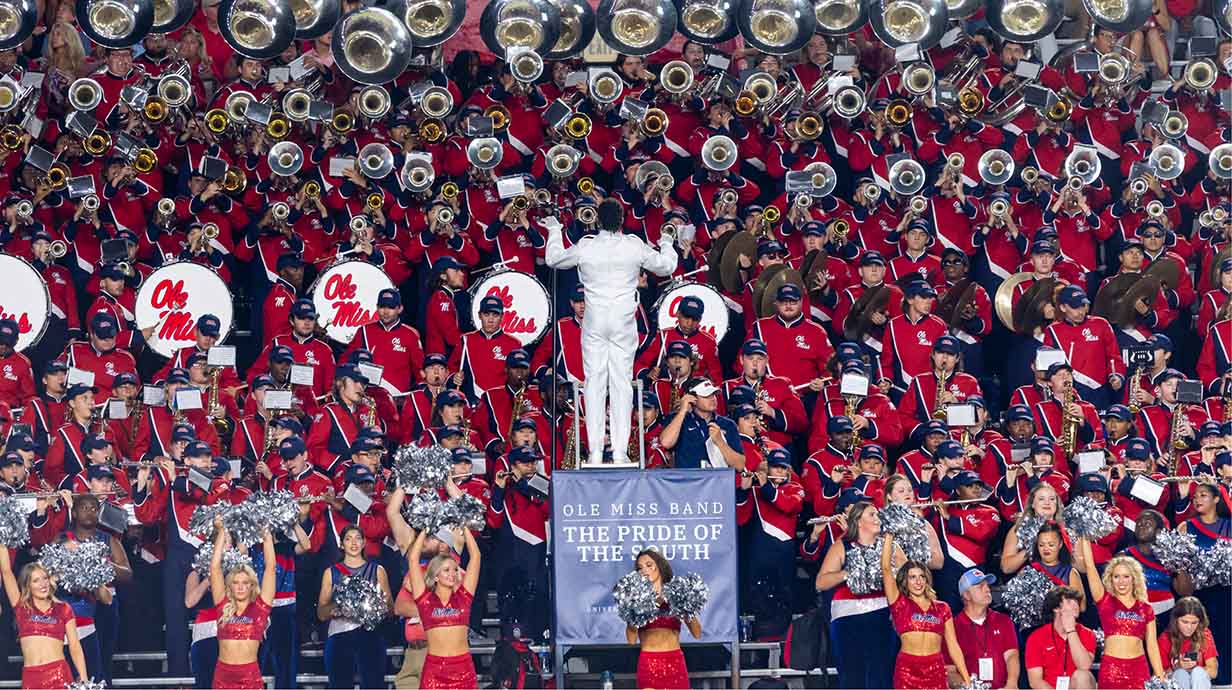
point(913, 672)
point(448, 672)
point(239, 676)
point(46, 676)
point(662, 670)
point(1123, 673)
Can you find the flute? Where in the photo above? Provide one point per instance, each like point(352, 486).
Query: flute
point(825, 519)
point(1188, 478)
point(56, 494)
point(955, 502)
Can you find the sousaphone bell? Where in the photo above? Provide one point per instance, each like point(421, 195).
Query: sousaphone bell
point(839, 17)
point(17, 20)
point(708, 22)
point(777, 27)
point(636, 27)
point(171, 15)
point(485, 153)
point(1219, 160)
point(906, 177)
point(376, 161)
point(533, 24)
point(259, 29)
point(902, 22)
point(315, 18)
point(115, 23)
point(577, 28)
point(1024, 21)
point(719, 153)
point(371, 45)
point(1166, 161)
point(285, 158)
point(996, 167)
point(1120, 16)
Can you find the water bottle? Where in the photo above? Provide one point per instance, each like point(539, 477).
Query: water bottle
point(746, 628)
point(545, 662)
point(605, 680)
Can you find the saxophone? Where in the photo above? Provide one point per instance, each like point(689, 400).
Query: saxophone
point(466, 434)
point(135, 412)
point(1226, 399)
point(369, 418)
point(1135, 385)
point(267, 443)
point(217, 414)
point(1176, 444)
point(849, 411)
point(515, 413)
point(674, 397)
point(938, 408)
point(569, 462)
point(1069, 423)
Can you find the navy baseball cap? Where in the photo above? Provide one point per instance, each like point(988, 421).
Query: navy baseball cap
point(183, 433)
point(1091, 481)
point(753, 346)
point(389, 297)
point(11, 459)
point(1132, 243)
point(1159, 341)
point(1210, 429)
point(350, 371)
point(1222, 458)
point(291, 447)
point(303, 309)
point(977, 400)
point(779, 457)
point(1057, 367)
point(933, 426)
point(1042, 444)
point(691, 307)
point(872, 258)
point(20, 441)
point(770, 248)
point(55, 366)
point(360, 356)
point(1043, 247)
point(461, 455)
point(949, 449)
point(78, 389)
point(126, 378)
point(178, 375)
point(358, 474)
point(288, 260)
point(965, 477)
point(838, 425)
point(103, 326)
point(290, 424)
point(854, 366)
point(1137, 449)
point(872, 450)
point(578, 293)
point(524, 423)
point(444, 263)
point(447, 431)
point(948, 344)
point(281, 354)
point(679, 348)
point(263, 381)
point(848, 351)
point(849, 497)
point(363, 444)
point(974, 577)
point(650, 400)
point(196, 449)
point(435, 359)
point(517, 359)
point(743, 410)
point(1019, 413)
point(8, 332)
point(92, 442)
point(787, 293)
point(1120, 412)
point(110, 272)
point(450, 397)
point(741, 394)
point(1073, 296)
point(491, 305)
point(1225, 265)
point(813, 228)
point(523, 454)
point(209, 325)
point(1167, 374)
point(100, 472)
point(919, 288)
point(195, 358)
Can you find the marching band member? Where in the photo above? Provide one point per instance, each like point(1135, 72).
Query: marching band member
point(501, 407)
point(479, 359)
point(276, 308)
point(1165, 436)
point(306, 348)
point(783, 415)
point(16, 373)
point(155, 431)
point(100, 355)
point(688, 329)
point(777, 500)
point(395, 346)
point(416, 413)
point(874, 418)
point(964, 529)
point(518, 515)
point(908, 339)
point(208, 332)
point(797, 347)
point(1089, 346)
point(943, 384)
point(568, 335)
point(335, 427)
point(1066, 409)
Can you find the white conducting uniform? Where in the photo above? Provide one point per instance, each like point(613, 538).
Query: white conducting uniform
point(609, 265)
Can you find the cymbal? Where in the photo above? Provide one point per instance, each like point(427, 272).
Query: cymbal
point(714, 258)
point(1165, 271)
point(729, 263)
point(1110, 295)
point(1028, 312)
point(950, 307)
point(790, 276)
point(1004, 299)
point(859, 320)
point(763, 280)
point(814, 263)
point(1145, 289)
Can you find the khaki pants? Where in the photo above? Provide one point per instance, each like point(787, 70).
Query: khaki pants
point(408, 676)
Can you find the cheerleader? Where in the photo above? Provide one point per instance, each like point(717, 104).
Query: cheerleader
point(444, 596)
point(243, 613)
point(44, 625)
point(922, 622)
point(660, 663)
point(1208, 527)
point(1127, 619)
point(349, 647)
point(861, 638)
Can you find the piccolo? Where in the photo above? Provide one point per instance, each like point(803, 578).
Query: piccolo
point(75, 494)
point(1188, 478)
point(824, 519)
point(955, 502)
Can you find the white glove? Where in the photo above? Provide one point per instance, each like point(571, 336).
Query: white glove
point(551, 224)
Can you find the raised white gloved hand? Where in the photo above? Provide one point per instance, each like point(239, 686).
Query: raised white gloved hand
point(551, 224)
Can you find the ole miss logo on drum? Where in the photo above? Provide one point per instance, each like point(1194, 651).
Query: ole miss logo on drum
point(26, 301)
point(527, 312)
point(345, 297)
point(174, 297)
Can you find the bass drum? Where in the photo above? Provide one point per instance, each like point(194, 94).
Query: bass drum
point(714, 316)
point(528, 311)
point(171, 300)
point(26, 300)
point(345, 297)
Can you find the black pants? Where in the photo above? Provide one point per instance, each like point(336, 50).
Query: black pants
point(522, 583)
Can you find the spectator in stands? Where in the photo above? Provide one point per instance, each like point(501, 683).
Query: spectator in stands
point(986, 637)
point(1187, 647)
point(1062, 650)
point(697, 421)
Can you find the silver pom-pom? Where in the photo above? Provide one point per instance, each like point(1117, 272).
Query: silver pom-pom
point(1213, 567)
point(87, 684)
point(1023, 597)
point(423, 512)
point(422, 468)
point(975, 684)
point(1085, 518)
point(360, 600)
point(1166, 683)
point(82, 569)
point(231, 559)
point(464, 511)
point(280, 509)
point(1174, 550)
point(246, 522)
point(863, 566)
point(1028, 530)
point(636, 601)
point(686, 596)
point(910, 532)
point(202, 521)
point(1099, 640)
point(14, 524)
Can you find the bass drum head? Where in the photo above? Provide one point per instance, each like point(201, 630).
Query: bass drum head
point(714, 316)
point(26, 301)
point(528, 311)
point(345, 297)
point(172, 299)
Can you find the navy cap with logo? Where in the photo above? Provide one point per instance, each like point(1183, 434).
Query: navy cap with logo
point(1167, 375)
point(846, 352)
point(1209, 429)
point(1091, 481)
point(262, 381)
point(178, 375)
point(444, 263)
point(743, 410)
point(291, 446)
point(524, 424)
point(103, 326)
point(358, 474)
point(461, 455)
point(303, 309)
point(110, 272)
point(1137, 449)
point(1133, 243)
point(8, 332)
point(281, 354)
point(839, 425)
point(389, 297)
point(949, 449)
point(1073, 297)
point(787, 293)
point(650, 400)
point(691, 307)
point(977, 400)
point(517, 359)
point(872, 257)
point(1042, 444)
point(290, 424)
point(100, 472)
point(848, 498)
point(779, 457)
point(55, 366)
point(93, 442)
point(966, 478)
point(872, 450)
point(449, 397)
point(20, 440)
point(948, 344)
point(365, 444)
point(740, 394)
point(183, 433)
point(209, 325)
point(1120, 412)
point(196, 358)
point(814, 228)
point(753, 346)
point(126, 378)
point(491, 305)
point(447, 431)
point(350, 371)
point(771, 248)
point(197, 449)
point(577, 294)
point(360, 356)
point(11, 459)
point(435, 359)
point(919, 288)
point(1226, 265)
point(1056, 368)
point(679, 348)
point(933, 426)
point(1043, 247)
point(78, 389)
point(1019, 413)
point(288, 260)
point(1159, 341)
point(524, 454)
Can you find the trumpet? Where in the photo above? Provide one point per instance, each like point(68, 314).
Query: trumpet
point(728, 196)
point(677, 77)
point(374, 102)
point(918, 205)
point(57, 176)
point(234, 180)
point(98, 143)
point(998, 208)
point(374, 201)
point(654, 122)
point(342, 123)
point(1155, 209)
point(808, 126)
point(1175, 125)
point(898, 112)
point(209, 231)
point(145, 160)
point(278, 128)
point(90, 202)
point(1059, 111)
point(436, 102)
point(449, 190)
point(432, 131)
point(11, 137)
point(919, 78)
point(165, 207)
point(578, 126)
point(803, 201)
point(745, 104)
point(312, 189)
point(1200, 74)
point(604, 87)
point(585, 185)
point(155, 110)
point(500, 117)
point(57, 249)
point(217, 121)
point(24, 210)
point(280, 211)
point(587, 215)
point(1030, 175)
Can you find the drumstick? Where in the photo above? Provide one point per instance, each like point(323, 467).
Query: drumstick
point(696, 271)
point(498, 264)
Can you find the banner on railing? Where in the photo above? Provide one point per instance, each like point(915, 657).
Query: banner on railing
point(601, 519)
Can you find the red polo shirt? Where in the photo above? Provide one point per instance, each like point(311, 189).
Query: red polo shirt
point(991, 638)
point(1047, 649)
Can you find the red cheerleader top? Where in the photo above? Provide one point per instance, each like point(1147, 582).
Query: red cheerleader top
point(434, 613)
point(31, 622)
point(249, 625)
point(1118, 619)
point(909, 617)
point(665, 622)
